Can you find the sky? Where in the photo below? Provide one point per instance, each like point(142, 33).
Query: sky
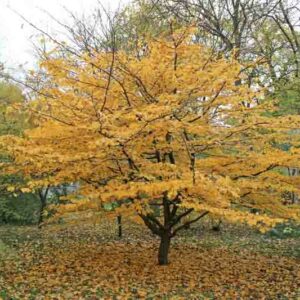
point(16, 36)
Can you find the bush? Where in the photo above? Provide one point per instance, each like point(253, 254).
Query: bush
point(22, 209)
point(285, 230)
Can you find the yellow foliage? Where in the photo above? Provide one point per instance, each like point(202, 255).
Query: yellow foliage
point(171, 123)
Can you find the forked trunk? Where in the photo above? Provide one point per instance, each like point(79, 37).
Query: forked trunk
point(164, 247)
point(172, 223)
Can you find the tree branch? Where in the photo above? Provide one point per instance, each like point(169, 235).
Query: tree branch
point(188, 223)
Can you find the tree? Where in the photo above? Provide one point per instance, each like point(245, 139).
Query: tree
point(288, 95)
point(254, 30)
point(167, 135)
point(11, 121)
point(286, 18)
point(14, 192)
point(13, 207)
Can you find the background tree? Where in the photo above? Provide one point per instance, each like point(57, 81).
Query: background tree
point(288, 95)
point(255, 30)
point(18, 204)
point(14, 207)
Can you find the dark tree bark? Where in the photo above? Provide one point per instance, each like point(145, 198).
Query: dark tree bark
point(164, 247)
point(119, 222)
point(41, 212)
point(43, 199)
point(217, 226)
point(165, 233)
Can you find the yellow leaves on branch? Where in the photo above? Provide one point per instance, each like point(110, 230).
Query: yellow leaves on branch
point(176, 120)
point(10, 188)
point(25, 190)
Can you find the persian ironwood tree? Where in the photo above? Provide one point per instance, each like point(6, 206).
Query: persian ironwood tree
point(170, 134)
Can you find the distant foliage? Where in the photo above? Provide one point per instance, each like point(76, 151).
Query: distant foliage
point(287, 230)
point(14, 208)
point(288, 95)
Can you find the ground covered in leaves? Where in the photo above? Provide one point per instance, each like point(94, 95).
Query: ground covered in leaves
point(90, 262)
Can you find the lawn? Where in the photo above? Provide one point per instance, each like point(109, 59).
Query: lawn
point(91, 262)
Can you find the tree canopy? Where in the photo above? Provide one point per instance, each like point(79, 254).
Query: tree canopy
point(175, 129)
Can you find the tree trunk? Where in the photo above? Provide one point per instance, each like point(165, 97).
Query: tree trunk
point(41, 213)
point(164, 249)
point(119, 222)
point(43, 199)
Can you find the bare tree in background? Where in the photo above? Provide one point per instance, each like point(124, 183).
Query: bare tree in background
point(241, 25)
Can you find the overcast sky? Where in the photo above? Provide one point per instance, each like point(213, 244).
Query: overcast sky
point(15, 34)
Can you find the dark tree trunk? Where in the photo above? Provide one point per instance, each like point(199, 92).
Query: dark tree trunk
point(41, 214)
point(171, 225)
point(119, 222)
point(217, 226)
point(164, 247)
point(43, 200)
